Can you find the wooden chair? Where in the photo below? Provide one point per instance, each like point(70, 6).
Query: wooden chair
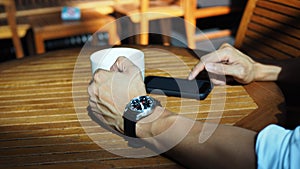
point(270, 29)
point(12, 29)
point(142, 12)
point(193, 12)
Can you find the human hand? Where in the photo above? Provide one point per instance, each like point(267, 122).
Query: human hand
point(227, 60)
point(112, 90)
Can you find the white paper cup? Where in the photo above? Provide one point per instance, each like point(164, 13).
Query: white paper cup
point(104, 59)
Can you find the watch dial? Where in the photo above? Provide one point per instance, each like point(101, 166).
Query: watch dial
point(141, 103)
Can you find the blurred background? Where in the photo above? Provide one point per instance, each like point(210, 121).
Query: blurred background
point(28, 14)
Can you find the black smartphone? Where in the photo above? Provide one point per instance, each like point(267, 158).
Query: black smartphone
point(195, 89)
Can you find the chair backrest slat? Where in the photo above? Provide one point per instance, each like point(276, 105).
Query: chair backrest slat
point(10, 11)
point(270, 29)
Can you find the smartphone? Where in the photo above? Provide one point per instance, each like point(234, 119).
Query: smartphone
point(195, 89)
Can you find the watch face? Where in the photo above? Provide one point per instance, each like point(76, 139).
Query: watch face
point(141, 103)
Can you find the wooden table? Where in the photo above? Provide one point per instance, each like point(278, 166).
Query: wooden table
point(44, 100)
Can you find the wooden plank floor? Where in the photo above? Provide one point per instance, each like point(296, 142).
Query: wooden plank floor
point(44, 121)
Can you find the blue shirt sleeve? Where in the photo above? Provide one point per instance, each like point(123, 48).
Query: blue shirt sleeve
point(278, 148)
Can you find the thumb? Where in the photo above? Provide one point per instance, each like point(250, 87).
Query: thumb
point(123, 64)
point(224, 45)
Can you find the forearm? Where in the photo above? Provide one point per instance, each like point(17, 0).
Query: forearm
point(288, 69)
point(265, 72)
point(228, 147)
point(288, 80)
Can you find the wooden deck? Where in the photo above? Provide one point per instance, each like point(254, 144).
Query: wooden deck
point(44, 100)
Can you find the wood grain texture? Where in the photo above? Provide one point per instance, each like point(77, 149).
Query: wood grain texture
point(270, 29)
point(44, 120)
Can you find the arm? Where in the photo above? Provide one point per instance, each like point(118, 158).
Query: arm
point(229, 61)
point(228, 147)
point(288, 80)
point(290, 70)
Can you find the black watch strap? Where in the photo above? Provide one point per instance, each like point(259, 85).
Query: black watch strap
point(129, 125)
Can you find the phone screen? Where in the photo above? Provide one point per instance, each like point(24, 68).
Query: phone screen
point(196, 89)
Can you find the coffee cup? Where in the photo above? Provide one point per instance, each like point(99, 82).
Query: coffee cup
point(104, 59)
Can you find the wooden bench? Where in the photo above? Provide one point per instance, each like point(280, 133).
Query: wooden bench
point(37, 7)
point(51, 26)
point(44, 18)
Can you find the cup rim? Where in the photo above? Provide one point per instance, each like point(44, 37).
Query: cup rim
point(95, 59)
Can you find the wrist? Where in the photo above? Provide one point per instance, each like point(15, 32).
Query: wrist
point(137, 109)
point(153, 124)
point(266, 72)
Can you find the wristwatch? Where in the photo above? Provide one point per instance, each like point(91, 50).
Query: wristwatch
point(138, 108)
